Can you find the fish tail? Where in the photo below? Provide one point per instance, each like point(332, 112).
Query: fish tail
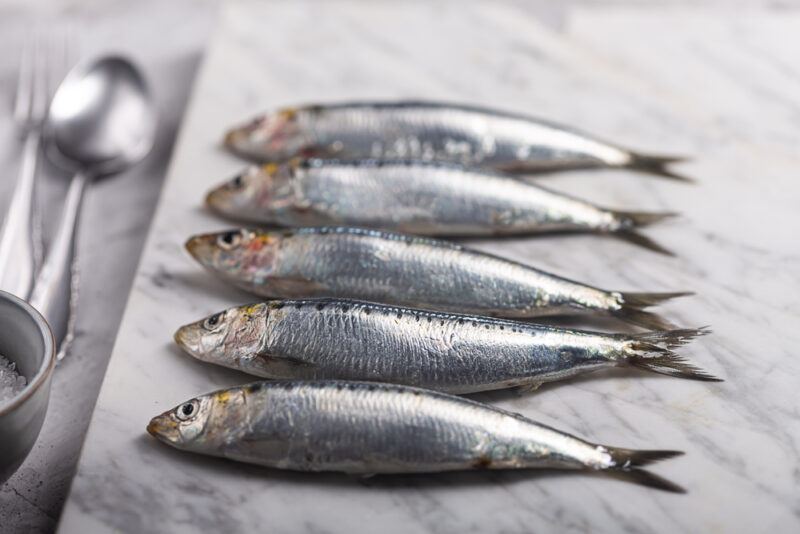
point(671, 339)
point(634, 304)
point(645, 319)
point(632, 236)
point(627, 465)
point(629, 221)
point(645, 300)
point(637, 219)
point(657, 166)
point(670, 364)
point(652, 351)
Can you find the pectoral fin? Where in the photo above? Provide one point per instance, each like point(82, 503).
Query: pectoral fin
point(292, 361)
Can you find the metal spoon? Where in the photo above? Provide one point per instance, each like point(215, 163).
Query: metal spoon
point(101, 121)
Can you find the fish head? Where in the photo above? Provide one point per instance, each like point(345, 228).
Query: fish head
point(275, 136)
point(203, 424)
point(244, 257)
point(255, 193)
point(229, 338)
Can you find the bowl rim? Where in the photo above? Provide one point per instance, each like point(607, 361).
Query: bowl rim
point(48, 363)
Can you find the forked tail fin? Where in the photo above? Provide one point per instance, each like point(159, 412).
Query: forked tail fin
point(634, 304)
point(671, 339)
point(657, 166)
point(645, 319)
point(652, 351)
point(645, 300)
point(627, 465)
point(631, 220)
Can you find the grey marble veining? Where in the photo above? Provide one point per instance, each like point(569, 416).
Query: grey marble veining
point(713, 84)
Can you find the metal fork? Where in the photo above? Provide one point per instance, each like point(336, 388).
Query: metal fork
point(19, 238)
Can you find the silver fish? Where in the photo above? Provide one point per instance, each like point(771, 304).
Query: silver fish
point(367, 428)
point(351, 340)
point(406, 270)
point(431, 131)
point(417, 198)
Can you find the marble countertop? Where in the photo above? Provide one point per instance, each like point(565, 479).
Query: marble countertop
point(718, 85)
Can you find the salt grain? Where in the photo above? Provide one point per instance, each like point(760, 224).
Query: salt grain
point(11, 382)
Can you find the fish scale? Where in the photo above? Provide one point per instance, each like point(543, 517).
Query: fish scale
point(327, 338)
point(444, 133)
point(368, 428)
point(433, 131)
point(401, 269)
point(423, 198)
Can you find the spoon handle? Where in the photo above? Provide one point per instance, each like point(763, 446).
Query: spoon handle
point(55, 287)
point(17, 241)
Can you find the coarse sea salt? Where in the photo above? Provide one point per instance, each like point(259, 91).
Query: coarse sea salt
point(11, 382)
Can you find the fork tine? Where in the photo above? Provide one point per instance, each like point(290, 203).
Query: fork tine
point(53, 71)
point(74, 45)
point(62, 57)
point(56, 61)
point(22, 100)
point(40, 77)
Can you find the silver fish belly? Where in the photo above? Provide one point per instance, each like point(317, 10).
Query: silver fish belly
point(430, 131)
point(405, 270)
point(351, 340)
point(410, 196)
point(359, 427)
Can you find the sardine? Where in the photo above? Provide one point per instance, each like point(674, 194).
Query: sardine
point(430, 131)
point(411, 271)
point(367, 428)
point(351, 340)
point(419, 198)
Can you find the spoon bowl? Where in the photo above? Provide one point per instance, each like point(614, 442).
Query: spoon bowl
point(101, 118)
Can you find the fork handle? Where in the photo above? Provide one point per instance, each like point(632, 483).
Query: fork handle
point(54, 291)
point(17, 248)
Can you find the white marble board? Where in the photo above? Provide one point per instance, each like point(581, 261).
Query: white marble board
point(719, 86)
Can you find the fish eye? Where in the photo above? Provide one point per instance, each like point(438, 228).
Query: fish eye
point(237, 182)
point(212, 322)
point(229, 240)
point(186, 410)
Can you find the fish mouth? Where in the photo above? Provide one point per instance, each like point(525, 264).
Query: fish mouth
point(180, 337)
point(164, 428)
point(218, 198)
point(199, 247)
point(238, 141)
point(187, 338)
point(235, 138)
point(231, 137)
point(234, 198)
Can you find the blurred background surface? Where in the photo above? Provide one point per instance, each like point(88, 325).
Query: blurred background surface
point(167, 40)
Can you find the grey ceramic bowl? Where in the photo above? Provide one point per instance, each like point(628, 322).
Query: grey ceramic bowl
point(25, 339)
